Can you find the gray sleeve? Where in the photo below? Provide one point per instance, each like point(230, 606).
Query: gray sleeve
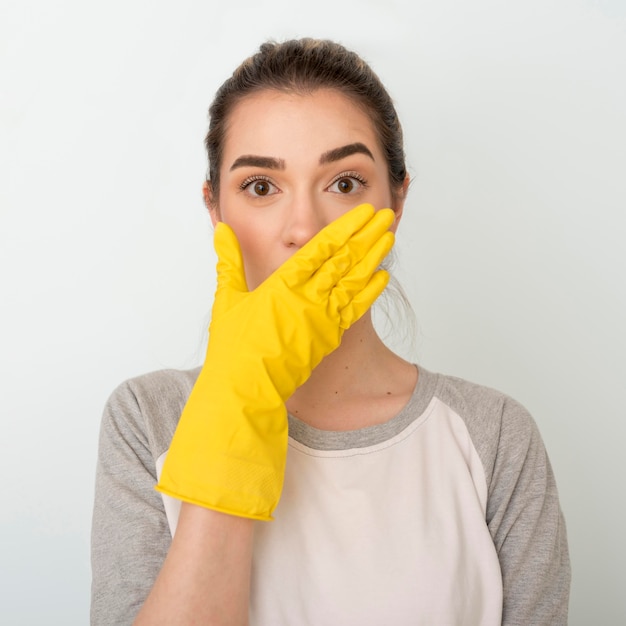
point(130, 536)
point(527, 525)
point(523, 512)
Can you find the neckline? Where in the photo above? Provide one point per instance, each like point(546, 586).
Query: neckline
point(328, 440)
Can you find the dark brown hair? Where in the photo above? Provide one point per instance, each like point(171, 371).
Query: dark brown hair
point(303, 66)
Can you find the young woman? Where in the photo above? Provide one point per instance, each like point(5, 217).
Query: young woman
point(307, 474)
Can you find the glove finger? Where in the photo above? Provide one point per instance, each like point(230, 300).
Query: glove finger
point(349, 286)
point(357, 307)
point(358, 246)
point(325, 244)
point(230, 271)
point(231, 278)
point(352, 254)
point(362, 241)
point(358, 279)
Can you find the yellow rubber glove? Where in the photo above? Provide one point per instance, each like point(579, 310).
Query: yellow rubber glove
point(230, 446)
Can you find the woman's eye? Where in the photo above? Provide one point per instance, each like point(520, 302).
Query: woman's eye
point(258, 187)
point(346, 185)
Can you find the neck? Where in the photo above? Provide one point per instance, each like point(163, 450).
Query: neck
point(358, 355)
point(345, 389)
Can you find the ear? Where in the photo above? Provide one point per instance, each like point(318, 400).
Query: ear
point(209, 202)
point(397, 204)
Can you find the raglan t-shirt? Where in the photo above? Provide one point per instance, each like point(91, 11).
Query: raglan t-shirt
point(447, 514)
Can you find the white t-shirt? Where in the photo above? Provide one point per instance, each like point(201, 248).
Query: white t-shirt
point(445, 515)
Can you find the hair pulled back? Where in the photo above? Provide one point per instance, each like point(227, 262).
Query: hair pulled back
point(304, 66)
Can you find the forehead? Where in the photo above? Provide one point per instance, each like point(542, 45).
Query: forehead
point(318, 121)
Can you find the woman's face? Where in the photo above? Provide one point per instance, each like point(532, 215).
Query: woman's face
point(291, 165)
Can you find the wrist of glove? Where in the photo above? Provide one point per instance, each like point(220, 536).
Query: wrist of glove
point(229, 449)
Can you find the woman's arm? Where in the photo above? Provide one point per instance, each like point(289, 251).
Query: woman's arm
point(130, 536)
point(527, 525)
point(206, 576)
point(131, 540)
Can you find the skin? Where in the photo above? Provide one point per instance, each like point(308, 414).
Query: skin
point(205, 579)
point(301, 184)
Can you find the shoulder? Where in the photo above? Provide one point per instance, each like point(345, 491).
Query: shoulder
point(146, 408)
point(501, 428)
point(475, 401)
point(157, 385)
point(484, 409)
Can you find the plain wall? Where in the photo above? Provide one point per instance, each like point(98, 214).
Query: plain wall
point(511, 249)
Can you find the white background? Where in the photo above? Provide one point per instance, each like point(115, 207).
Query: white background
point(511, 249)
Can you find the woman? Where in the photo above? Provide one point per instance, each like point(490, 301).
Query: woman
point(398, 496)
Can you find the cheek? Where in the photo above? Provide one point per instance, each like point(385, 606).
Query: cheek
point(257, 241)
point(251, 232)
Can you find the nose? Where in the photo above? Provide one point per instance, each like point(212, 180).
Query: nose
point(304, 219)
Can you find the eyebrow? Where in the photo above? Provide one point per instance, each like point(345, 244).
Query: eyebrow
point(345, 151)
point(251, 160)
point(271, 163)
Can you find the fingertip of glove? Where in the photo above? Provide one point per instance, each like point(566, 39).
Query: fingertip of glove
point(383, 246)
point(389, 238)
point(378, 283)
point(366, 208)
point(359, 215)
point(224, 238)
point(382, 277)
point(365, 299)
point(386, 217)
point(222, 230)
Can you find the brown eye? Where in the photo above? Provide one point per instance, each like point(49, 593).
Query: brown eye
point(258, 187)
point(348, 183)
point(345, 185)
point(261, 188)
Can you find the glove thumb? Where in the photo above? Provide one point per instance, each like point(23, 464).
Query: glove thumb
point(230, 271)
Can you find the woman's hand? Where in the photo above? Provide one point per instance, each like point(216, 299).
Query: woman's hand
point(229, 450)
